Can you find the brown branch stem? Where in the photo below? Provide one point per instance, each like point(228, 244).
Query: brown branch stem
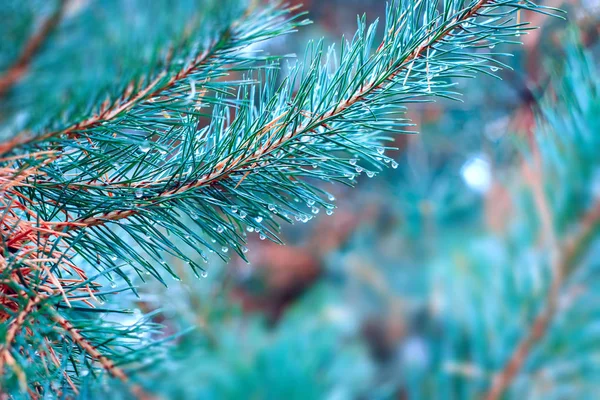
point(31, 48)
point(570, 251)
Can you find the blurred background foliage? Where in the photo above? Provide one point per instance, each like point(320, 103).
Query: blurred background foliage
point(423, 282)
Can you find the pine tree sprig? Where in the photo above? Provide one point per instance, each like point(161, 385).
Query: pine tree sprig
point(16, 71)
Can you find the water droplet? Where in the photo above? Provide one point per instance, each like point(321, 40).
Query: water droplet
point(315, 210)
point(359, 169)
point(262, 237)
point(243, 214)
point(492, 45)
point(271, 207)
point(114, 258)
point(224, 249)
point(304, 218)
point(139, 193)
point(315, 166)
point(380, 150)
point(329, 212)
point(113, 285)
point(370, 174)
point(310, 202)
point(494, 69)
point(353, 161)
point(145, 147)
point(220, 229)
point(244, 249)
point(204, 274)
point(258, 219)
point(394, 164)
point(349, 176)
point(250, 229)
point(234, 209)
point(147, 272)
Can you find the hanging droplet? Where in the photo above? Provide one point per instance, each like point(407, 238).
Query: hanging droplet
point(234, 209)
point(113, 285)
point(353, 161)
point(145, 147)
point(271, 207)
point(329, 212)
point(262, 237)
point(380, 150)
point(204, 274)
point(250, 229)
point(331, 197)
point(243, 214)
point(349, 176)
point(494, 69)
point(315, 210)
point(359, 169)
point(492, 45)
point(370, 174)
point(310, 202)
point(220, 229)
point(139, 193)
point(394, 164)
point(258, 219)
point(224, 249)
point(244, 249)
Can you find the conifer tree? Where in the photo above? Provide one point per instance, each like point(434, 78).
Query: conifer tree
point(128, 139)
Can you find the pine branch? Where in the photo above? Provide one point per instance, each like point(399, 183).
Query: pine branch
point(570, 251)
point(566, 250)
point(33, 45)
point(166, 80)
point(259, 150)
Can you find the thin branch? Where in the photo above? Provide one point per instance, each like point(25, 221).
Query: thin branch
point(14, 328)
point(33, 45)
point(570, 249)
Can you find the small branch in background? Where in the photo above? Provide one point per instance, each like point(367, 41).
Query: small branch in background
point(570, 250)
point(33, 45)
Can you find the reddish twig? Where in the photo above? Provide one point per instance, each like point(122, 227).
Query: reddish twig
point(570, 250)
point(33, 45)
